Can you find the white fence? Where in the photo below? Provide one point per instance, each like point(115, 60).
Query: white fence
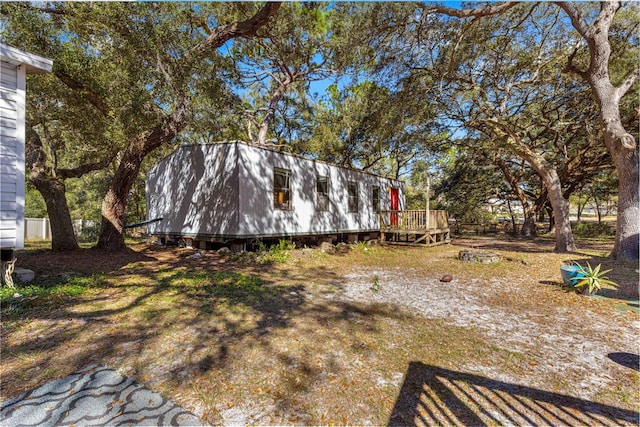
point(37, 229)
point(40, 229)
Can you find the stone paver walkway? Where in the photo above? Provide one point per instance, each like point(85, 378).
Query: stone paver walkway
point(95, 396)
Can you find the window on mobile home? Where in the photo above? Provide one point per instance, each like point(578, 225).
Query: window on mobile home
point(353, 196)
point(375, 199)
point(281, 188)
point(322, 193)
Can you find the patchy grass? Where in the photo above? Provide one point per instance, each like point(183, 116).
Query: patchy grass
point(20, 301)
point(311, 338)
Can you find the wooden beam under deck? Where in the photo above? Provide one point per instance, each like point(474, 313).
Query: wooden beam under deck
point(432, 237)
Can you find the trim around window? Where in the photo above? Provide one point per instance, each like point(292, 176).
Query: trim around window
point(352, 201)
point(375, 199)
point(281, 189)
point(322, 193)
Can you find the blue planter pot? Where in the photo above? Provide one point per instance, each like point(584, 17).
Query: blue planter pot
point(570, 274)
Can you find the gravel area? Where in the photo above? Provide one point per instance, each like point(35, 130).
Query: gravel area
point(572, 341)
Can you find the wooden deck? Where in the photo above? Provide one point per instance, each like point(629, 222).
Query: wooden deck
point(415, 227)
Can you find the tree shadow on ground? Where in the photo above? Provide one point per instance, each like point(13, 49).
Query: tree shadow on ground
point(431, 395)
point(629, 360)
point(81, 261)
point(507, 243)
point(162, 293)
point(537, 244)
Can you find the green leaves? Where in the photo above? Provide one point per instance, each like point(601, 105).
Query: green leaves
point(376, 286)
point(592, 278)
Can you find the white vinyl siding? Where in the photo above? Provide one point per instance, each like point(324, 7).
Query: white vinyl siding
point(9, 152)
point(195, 191)
point(14, 66)
point(8, 78)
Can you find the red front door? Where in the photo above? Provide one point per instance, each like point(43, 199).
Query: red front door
point(395, 205)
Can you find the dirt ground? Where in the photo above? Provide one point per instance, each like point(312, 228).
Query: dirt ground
point(368, 336)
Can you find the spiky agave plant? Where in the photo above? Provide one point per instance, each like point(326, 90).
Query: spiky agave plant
point(592, 278)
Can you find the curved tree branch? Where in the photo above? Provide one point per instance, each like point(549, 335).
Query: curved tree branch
point(626, 85)
point(577, 19)
point(81, 170)
point(246, 28)
point(571, 67)
point(493, 9)
point(86, 92)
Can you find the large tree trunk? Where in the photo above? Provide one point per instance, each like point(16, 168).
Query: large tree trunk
point(114, 209)
point(529, 226)
point(114, 205)
point(564, 235)
point(619, 142)
point(623, 149)
point(627, 242)
point(551, 181)
point(560, 205)
point(53, 191)
point(116, 200)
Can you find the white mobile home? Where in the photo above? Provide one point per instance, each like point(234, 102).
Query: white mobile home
point(236, 191)
point(15, 64)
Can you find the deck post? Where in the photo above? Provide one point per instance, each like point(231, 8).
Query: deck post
point(427, 206)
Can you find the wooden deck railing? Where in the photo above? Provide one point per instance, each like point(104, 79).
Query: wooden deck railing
point(413, 220)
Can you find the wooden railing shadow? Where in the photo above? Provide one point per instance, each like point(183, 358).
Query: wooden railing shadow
point(431, 395)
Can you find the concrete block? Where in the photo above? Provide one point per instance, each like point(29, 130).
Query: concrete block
point(24, 275)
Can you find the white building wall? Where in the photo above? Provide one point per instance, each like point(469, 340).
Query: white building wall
point(11, 156)
point(259, 217)
point(14, 66)
point(195, 191)
point(226, 190)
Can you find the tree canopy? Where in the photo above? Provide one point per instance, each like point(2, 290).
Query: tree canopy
point(533, 102)
point(133, 71)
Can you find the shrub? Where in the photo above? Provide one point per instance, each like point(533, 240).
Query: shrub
point(593, 229)
point(363, 247)
point(376, 286)
point(592, 279)
point(276, 253)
